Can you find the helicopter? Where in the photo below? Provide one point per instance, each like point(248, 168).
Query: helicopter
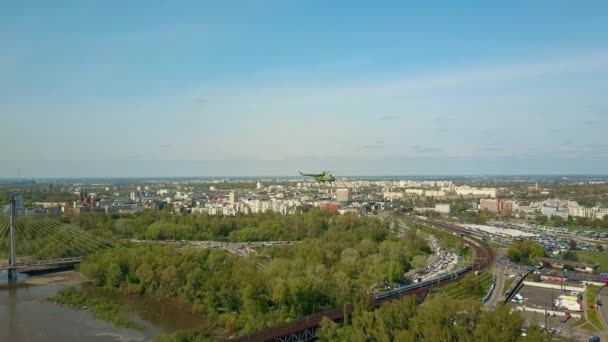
point(323, 177)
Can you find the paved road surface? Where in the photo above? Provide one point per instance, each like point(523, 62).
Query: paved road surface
point(497, 294)
point(603, 296)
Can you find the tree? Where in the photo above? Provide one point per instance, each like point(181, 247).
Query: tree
point(523, 252)
point(471, 285)
point(570, 256)
point(572, 244)
point(115, 276)
point(540, 219)
point(419, 262)
point(498, 325)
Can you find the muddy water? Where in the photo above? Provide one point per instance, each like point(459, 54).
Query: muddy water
point(25, 316)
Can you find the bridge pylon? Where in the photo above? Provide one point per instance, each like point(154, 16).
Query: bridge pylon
point(12, 273)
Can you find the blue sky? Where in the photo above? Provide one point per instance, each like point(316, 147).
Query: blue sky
point(198, 88)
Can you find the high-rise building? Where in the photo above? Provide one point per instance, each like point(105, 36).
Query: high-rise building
point(497, 205)
point(232, 197)
point(343, 195)
point(488, 204)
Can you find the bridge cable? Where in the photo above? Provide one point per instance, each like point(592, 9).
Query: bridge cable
point(63, 240)
point(37, 235)
point(92, 236)
point(53, 244)
point(28, 229)
point(87, 245)
point(56, 236)
point(85, 234)
point(86, 240)
point(4, 239)
point(55, 230)
point(22, 244)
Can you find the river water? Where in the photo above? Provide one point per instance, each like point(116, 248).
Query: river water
point(25, 316)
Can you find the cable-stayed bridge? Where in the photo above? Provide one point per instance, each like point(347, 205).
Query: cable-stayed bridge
point(30, 242)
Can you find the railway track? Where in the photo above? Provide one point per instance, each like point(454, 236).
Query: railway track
point(304, 329)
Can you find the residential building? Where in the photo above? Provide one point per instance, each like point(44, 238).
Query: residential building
point(443, 208)
point(482, 192)
point(343, 195)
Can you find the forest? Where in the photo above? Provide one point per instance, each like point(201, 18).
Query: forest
point(339, 259)
point(437, 319)
point(163, 225)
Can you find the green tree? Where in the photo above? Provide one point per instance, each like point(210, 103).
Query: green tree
point(498, 325)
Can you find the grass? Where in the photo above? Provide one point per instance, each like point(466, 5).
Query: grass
point(593, 314)
point(495, 244)
point(585, 325)
point(507, 284)
point(457, 291)
point(593, 257)
point(102, 308)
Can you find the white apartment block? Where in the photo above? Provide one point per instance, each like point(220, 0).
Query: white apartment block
point(467, 190)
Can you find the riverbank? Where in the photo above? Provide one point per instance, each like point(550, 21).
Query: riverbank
point(58, 278)
point(31, 316)
point(105, 308)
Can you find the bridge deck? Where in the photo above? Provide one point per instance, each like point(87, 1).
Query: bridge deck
point(39, 263)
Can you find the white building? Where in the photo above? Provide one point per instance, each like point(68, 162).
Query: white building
point(434, 193)
point(391, 195)
point(443, 208)
point(591, 213)
point(483, 192)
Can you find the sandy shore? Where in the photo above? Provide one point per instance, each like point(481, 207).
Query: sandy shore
point(65, 278)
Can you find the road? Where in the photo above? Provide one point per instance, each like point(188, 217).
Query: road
point(603, 296)
point(239, 248)
point(497, 293)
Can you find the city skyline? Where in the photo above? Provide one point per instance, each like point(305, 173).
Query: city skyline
point(392, 89)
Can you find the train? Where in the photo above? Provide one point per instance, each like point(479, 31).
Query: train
point(430, 282)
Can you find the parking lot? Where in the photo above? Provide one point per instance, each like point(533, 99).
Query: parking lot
point(540, 298)
point(566, 329)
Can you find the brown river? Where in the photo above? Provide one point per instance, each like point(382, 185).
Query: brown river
point(26, 316)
